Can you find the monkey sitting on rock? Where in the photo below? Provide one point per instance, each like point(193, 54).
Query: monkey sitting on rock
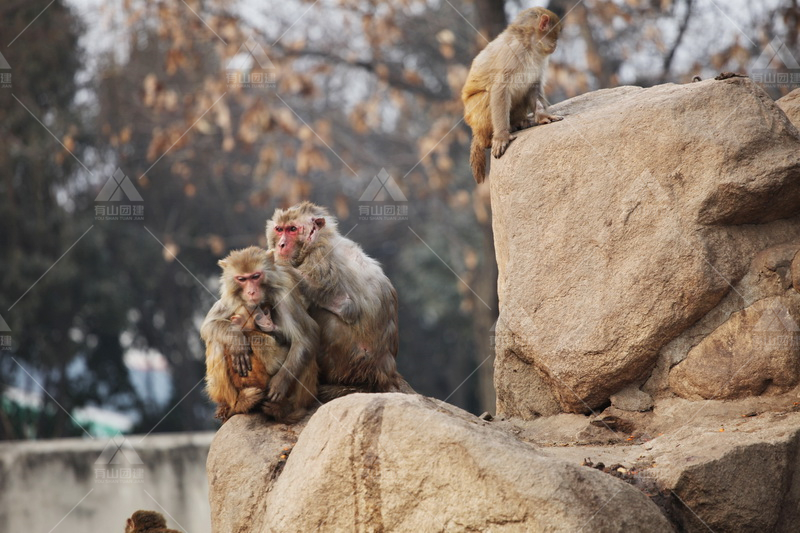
point(506, 82)
point(352, 300)
point(252, 361)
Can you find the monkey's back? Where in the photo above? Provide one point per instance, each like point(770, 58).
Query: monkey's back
point(360, 352)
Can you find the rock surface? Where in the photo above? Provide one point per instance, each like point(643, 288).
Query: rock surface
point(719, 466)
point(756, 351)
point(395, 462)
point(790, 104)
point(651, 207)
point(632, 399)
point(244, 461)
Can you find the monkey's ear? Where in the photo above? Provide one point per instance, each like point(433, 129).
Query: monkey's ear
point(222, 263)
point(544, 22)
point(319, 222)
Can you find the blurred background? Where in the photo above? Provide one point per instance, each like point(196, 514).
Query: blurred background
point(141, 140)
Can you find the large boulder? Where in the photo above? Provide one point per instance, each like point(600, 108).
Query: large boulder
point(625, 224)
point(395, 462)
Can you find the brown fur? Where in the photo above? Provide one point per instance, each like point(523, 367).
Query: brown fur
point(147, 522)
point(230, 324)
point(505, 83)
point(355, 304)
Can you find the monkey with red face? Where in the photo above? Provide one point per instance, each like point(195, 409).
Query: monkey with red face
point(355, 304)
point(246, 367)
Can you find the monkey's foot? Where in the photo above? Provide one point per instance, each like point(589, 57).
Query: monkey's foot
point(524, 125)
point(272, 409)
point(500, 142)
point(544, 118)
point(222, 413)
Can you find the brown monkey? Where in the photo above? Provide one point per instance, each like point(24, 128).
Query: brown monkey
point(505, 83)
point(147, 522)
point(267, 357)
point(260, 314)
point(355, 303)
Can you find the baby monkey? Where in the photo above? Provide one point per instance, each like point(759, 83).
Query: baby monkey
point(505, 83)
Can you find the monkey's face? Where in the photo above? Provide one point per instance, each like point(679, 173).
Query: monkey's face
point(291, 237)
point(251, 286)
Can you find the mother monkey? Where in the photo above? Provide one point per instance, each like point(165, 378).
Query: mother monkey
point(355, 304)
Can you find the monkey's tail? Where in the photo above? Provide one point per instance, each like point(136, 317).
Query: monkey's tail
point(280, 413)
point(294, 417)
point(477, 158)
point(403, 386)
point(248, 399)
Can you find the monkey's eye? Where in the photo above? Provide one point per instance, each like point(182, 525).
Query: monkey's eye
point(241, 279)
point(292, 229)
point(279, 229)
point(256, 276)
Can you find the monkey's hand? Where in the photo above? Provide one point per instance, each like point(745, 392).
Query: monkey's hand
point(500, 141)
point(279, 386)
point(237, 320)
point(264, 321)
point(546, 118)
point(240, 352)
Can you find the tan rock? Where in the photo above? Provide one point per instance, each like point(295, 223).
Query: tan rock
point(394, 462)
point(243, 462)
point(632, 399)
point(756, 351)
point(774, 265)
point(716, 465)
point(397, 462)
point(790, 104)
point(619, 227)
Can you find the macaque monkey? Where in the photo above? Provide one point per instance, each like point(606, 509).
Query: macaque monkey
point(505, 83)
point(147, 522)
point(260, 340)
point(355, 304)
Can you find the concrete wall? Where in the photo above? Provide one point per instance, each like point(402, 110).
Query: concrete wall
point(80, 485)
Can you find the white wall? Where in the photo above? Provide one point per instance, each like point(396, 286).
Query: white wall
point(58, 486)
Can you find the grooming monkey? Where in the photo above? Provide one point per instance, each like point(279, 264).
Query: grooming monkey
point(505, 83)
point(147, 522)
point(355, 304)
point(260, 340)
